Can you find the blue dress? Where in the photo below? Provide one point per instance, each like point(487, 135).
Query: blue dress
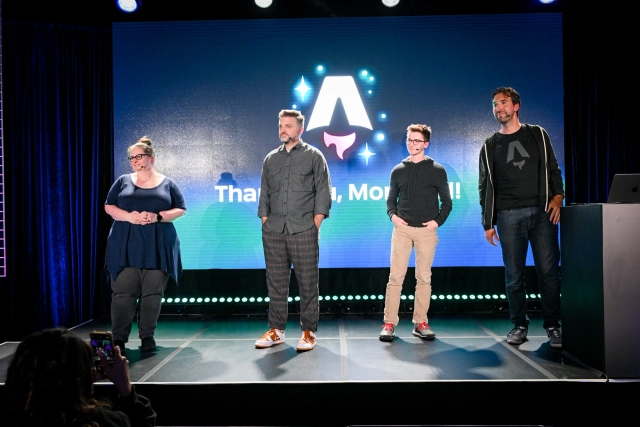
point(153, 246)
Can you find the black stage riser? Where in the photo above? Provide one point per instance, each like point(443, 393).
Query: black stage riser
point(554, 403)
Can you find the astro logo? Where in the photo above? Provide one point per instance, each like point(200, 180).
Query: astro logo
point(513, 146)
point(343, 88)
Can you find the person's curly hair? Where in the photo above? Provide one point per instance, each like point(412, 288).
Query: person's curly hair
point(50, 382)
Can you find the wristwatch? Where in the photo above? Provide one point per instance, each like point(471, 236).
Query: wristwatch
point(158, 217)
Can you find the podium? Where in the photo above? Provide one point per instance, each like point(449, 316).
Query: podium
point(600, 264)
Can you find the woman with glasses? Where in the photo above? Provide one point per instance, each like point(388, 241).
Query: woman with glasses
point(143, 249)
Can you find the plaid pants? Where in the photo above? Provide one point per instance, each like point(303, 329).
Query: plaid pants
point(281, 252)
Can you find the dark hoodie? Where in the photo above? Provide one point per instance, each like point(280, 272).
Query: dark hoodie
point(414, 192)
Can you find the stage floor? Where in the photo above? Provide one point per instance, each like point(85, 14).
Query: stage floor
point(205, 366)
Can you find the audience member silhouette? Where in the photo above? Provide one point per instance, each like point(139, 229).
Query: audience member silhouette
point(50, 383)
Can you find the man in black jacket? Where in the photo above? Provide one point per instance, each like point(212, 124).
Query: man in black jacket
point(413, 207)
point(521, 192)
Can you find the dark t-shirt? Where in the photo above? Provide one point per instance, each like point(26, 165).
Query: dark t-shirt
point(153, 246)
point(515, 164)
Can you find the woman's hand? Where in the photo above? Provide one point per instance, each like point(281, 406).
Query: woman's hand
point(149, 217)
point(139, 218)
point(134, 217)
point(144, 218)
point(117, 372)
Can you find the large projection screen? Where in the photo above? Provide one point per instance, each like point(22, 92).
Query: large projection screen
point(208, 94)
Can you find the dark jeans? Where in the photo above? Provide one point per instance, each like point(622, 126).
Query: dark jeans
point(130, 285)
point(516, 229)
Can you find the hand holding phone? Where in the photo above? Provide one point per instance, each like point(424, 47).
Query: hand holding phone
point(102, 341)
point(118, 366)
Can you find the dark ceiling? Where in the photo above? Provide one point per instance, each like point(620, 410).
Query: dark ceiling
point(106, 11)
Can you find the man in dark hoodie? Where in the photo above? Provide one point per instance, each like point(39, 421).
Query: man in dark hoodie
point(413, 206)
point(521, 192)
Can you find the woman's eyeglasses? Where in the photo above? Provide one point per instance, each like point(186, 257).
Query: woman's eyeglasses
point(137, 157)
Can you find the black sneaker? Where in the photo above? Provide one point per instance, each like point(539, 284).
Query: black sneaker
point(120, 344)
point(555, 337)
point(148, 344)
point(518, 335)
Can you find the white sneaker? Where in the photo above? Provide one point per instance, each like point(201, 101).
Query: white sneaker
point(424, 331)
point(307, 341)
point(271, 337)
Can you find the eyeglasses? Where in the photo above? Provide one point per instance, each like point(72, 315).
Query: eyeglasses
point(137, 157)
point(414, 141)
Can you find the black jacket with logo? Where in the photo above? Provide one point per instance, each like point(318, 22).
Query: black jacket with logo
point(549, 174)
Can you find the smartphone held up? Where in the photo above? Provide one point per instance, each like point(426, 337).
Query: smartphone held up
point(104, 342)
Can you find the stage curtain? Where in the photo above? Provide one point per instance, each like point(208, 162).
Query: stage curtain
point(600, 97)
point(58, 155)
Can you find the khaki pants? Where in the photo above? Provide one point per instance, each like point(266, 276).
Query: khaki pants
point(403, 240)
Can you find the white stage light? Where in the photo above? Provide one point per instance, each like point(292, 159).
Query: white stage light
point(264, 3)
point(390, 3)
point(128, 5)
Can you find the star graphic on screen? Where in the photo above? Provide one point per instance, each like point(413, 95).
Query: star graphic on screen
point(303, 88)
point(366, 153)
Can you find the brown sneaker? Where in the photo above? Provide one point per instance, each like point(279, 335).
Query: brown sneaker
point(307, 341)
point(270, 338)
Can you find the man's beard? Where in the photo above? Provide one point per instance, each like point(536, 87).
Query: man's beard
point(504, 119)
point(285, 139)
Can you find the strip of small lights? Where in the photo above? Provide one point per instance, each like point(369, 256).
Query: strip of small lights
point(333, 298)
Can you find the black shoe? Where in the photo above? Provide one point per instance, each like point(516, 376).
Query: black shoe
point(518, 335)
point(120, 343)
point(148, 344)
point(555, 336)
